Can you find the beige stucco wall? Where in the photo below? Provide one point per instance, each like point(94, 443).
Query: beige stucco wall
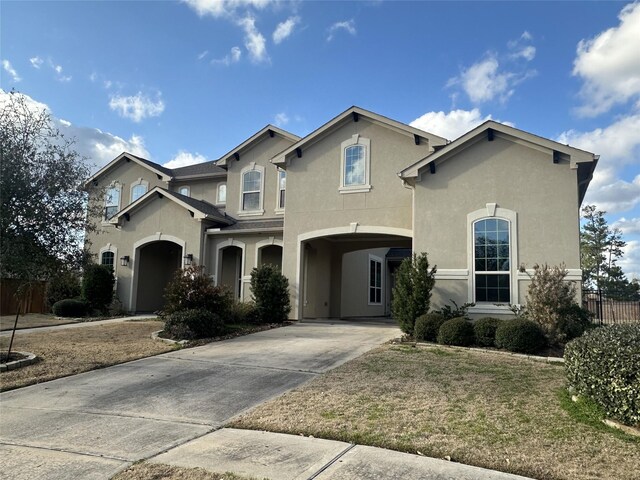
point(260, 153)
point(202, 189)
point(315, 203)
point(355, 284)
point(515, 177)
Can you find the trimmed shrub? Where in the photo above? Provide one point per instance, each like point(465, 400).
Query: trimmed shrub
point(270, 292)
point(193, 323)
point(604, 365)
point(519, 335)
point(243, 312)
point(97, 286)
point(456, 331)
point(62, 286)
point(190, 288)
point(485, 331)
point(574, 321)
point(412, 291)
point(69, 308)
point(427, 326)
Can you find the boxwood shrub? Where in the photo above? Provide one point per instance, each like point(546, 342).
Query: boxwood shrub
point(604, 365)
point(69, 307)
point(193, 323)
point(427, 326)
point(456, 331)
point(519, 335)
point(485, 331)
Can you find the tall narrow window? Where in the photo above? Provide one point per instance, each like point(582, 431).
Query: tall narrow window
point(282, 184)
point(222, 193)
point(138, 191)
point(356, 165)
point(492, 261)
point(375, 280)
point(111, 202)
point(108, 259)
point(251, 189)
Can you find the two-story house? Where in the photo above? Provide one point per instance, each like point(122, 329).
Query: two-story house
point(340, 208)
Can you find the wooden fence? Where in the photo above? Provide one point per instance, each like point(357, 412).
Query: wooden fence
point(36, 301)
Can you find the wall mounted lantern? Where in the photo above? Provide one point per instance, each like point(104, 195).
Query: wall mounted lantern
point(188, 259)
point(124, 261)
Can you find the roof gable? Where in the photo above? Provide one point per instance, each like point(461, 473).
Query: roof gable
point(199, 209)
point(163, 173)
point(268, 131)
point(353, 114)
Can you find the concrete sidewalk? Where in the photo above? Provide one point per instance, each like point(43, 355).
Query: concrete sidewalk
point(287, 457)
point(65, 326)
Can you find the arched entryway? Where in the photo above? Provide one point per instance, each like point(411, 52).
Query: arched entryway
point(270, 255)
point(230, 269)
point(156, 263)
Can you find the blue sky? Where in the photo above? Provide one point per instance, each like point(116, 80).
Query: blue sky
point(182, 82)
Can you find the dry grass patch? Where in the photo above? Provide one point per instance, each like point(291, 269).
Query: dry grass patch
point(32, 320)
point(158, 471)
point(481, 409)
point(76, 350)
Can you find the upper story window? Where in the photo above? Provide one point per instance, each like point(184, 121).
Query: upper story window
point(492, 267)
point(282, 185)
point(222, 194)
point(138, 189)
point(251, 190)
point(184, 191)
point(112, 201)
point(355, 165)
point(108, 259)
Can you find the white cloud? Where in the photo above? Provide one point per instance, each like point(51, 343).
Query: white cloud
point(183, 159)
point(284, 29)
point(224, 8)
point(618, 145)
point(628, 226)
point(254, 41)
point(630, 262)
point(203, 54)
point(609, 64)
point(137, 107)
point(520, 49)
point(453, 124)
point(232, 57)
point(6, 64)
point(281, 119)
point(348, 26)
point(36, 62)
point(98, 147)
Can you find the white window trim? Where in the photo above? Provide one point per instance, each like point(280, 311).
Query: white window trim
point(280, 209)
point(491, 210)
point(260, 210)
point(140, 181)
point(116, 261)
point(118, 186)
point(366, 143)
point(188, 194)
point(369, 287)
point(218, 202)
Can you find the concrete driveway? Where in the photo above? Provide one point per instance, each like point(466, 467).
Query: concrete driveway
point(93, 424)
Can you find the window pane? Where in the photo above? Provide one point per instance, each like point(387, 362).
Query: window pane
point(372, 295)
point(222, 193)
point(282, 193)
point(107, 259)
point(354, 165)
point(492, 265)
point(252, 181)
point(378, 295)
point(282, 179)
point(251, 201)
point(184, 191)
point(113, 197)
point(110, 212)
point(137, 192)
point(481, 264)
point(372, 273)
point(503, 226)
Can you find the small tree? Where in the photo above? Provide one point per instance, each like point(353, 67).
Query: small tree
point(270, 292)
point(97, 286)
point(412, 291)
point(190, 288)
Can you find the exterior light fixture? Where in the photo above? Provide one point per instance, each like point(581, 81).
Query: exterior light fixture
point(188, 259)
point(124, 261)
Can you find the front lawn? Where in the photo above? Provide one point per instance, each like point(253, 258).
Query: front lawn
point(482, 409)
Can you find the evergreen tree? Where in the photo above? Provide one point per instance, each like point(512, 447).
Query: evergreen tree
point(412, 291)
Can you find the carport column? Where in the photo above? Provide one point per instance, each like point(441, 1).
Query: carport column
point(335, 306)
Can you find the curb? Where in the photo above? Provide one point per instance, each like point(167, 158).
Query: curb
point(23, 362)
point(534, 358)
point(155, 336)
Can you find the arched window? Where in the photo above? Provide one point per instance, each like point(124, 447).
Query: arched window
point(108, 259)
point(184, 191)
point(251, 190)
point(491, 260)
point(356, 165)
point(222, 193)
point(137, 191)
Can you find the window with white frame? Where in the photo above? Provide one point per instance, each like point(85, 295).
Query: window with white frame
point(222, 193)
point(138, 189)
point(184, 191)
point(491, 260)
point(108, 259)
point(282, 184)
point(356, 161)
point(111, 201)
point(375, 280)
point(251, 190)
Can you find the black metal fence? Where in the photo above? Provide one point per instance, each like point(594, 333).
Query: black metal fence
point(609, 311)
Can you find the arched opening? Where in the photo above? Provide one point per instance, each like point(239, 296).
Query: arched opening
point(230, 269)
point(157, 262)
point(270, 255)
point(349, 274)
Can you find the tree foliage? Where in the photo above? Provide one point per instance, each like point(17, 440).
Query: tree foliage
point(270, 292)
point(43, 209)
point(412, 291)
point(192, 289)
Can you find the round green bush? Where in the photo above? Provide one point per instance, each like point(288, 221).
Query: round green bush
point(574, 321)
point(485, 331)
point(604, 365)
point(427, 326)
point(69, 307)
point(97, 286)
point(522, 336)
point(457, 331)
point(193, 323)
